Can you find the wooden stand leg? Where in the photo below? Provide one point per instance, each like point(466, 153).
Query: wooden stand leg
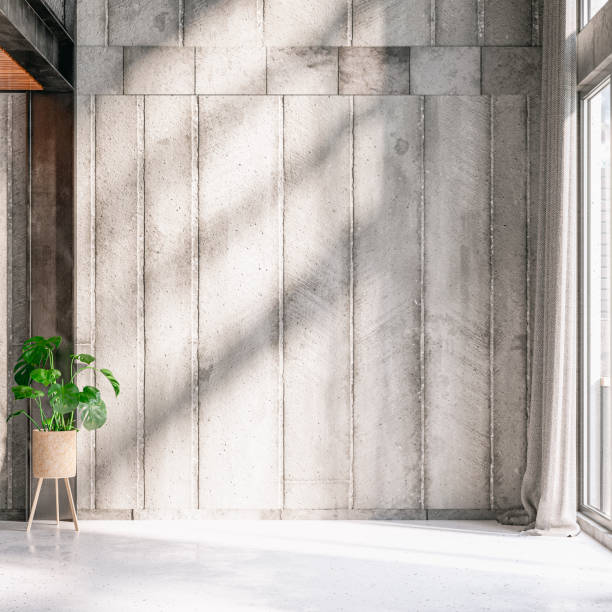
point(56, 504)
point(40, 481)
point(74, 516)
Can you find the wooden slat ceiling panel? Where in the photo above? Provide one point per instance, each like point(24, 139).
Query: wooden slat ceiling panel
point(13, 77)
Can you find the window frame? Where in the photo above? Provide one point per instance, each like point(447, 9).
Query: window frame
point(583, 287)
point(584, 9)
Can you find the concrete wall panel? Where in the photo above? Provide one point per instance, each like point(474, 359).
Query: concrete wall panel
point(84, 324)
point(318, 23)
point(5, 178)
point(143, 22)
point(508, 22)
point(14, 307)
point(238, 302)
point(387, 314)
point(457, 300)
point(510, 184)
point(456, 22)
point(445, 70)
point(154, 70)
point(305, 70)
point(211, 23)
point(91, 22)
point(390, 23)
point(512, 70)
point(18, 308)
point(100, 70)
point(316, 301)
point(231, 71)
point(366, 70)
point(118, 190)
point(169, 196)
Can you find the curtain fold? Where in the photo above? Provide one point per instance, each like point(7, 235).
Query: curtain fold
point(549, 485)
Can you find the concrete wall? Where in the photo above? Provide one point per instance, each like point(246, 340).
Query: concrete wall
point(65, 11)
point(36, 243)
point(301, 245)
point(14, 300)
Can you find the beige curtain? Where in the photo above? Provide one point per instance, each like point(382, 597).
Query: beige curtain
point(549, 484)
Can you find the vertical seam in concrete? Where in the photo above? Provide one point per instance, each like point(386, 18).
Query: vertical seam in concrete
point(351, 492)
point(535, 23)
point(28, 491)
point(338, 71)
point(281, 301)
point(432, 23)
point(266, 70)
point(422, 299)
point(140, 341)
point(261, 8)
point(92, 281)
point(181, 23)
point(195, 301)
point(527, 257)
point(9, 296)
point(349, 22)
point(106, 26)
point(481, 60)
point(491, 306)
point(5, 405)
point(481, 22)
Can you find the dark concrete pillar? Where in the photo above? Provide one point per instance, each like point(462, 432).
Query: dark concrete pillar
point(52, 189)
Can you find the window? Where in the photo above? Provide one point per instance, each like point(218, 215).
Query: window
point(596, 412)
point(590, 8)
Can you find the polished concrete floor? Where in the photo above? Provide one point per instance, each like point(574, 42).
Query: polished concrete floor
point(381, 566)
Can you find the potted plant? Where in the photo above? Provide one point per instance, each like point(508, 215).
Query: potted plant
point(54, 439)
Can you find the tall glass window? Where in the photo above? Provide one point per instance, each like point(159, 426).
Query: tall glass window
point(597, 307)
point(590, 8)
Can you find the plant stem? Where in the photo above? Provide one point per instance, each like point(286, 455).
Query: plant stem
point(79, 371)
point(24, 412)
point(42, 414)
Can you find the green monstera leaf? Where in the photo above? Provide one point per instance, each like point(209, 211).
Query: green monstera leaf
point(83, 358)
point(22, 371)
point(34, 354)
point(111, 379)
point(45, 377)
point(25, 392)
point(92, 408)
point(64, 398)
point(35, 350)
point(89, 393)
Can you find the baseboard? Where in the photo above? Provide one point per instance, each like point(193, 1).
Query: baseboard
point(383, 514)
point(462, 514)
point(12, 515)
point(595, 530)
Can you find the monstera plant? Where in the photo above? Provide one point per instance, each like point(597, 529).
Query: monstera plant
point(54, 439)
point(36, 376)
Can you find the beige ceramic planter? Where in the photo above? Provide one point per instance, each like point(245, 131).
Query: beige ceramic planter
point(53, 454)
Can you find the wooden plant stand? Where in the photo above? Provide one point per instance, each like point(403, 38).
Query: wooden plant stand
point(70, 501)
